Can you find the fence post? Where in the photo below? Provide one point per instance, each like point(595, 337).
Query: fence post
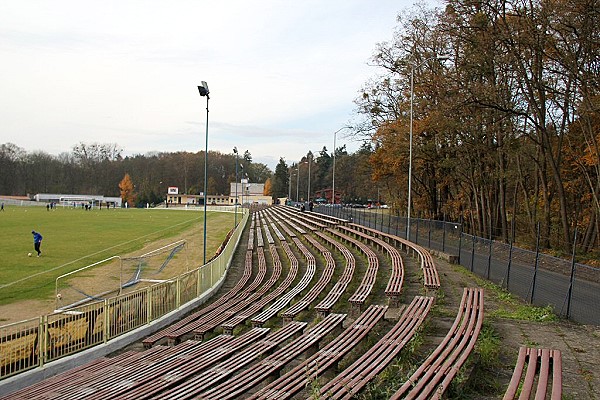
point(510, 251)
point(43, 334)
point(429, 235)
point(472, 251)
point(178, 293)
point(106, 321)
point(149, 302)
point(537, 258)
point(460, 235)
point(489, 260)
point(444, 234)
point(417, 235)
point(570, 293)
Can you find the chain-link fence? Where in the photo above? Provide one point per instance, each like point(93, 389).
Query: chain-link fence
point(572, 289)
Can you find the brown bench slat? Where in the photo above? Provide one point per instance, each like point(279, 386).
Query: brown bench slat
point(355, 377)
point(185, 378)
point(445, 361)
point(240, 384)
point(297, 379)
point(539, 363)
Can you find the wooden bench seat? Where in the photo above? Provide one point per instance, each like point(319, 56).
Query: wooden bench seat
point(339, 288)
point(251, 301)
point(220, 383)
point(300, 218)
point(59, 380)
point(194, 369)
point(354, 378)
point(259, 304)
point(284, 300)
point(359, 297)
point(332, 218)
point(162, 334)
point(543, 364)
point(251, 292)
point(394, 285)
point(318, 287)
point(119, 371)
point(143, 379)
point(431, 279)
point(298, 378)
point(434, 375)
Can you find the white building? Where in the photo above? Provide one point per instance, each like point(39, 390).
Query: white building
point(248, 193)
point(78, 199)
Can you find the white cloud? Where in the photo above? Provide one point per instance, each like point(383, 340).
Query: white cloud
point(282, 74)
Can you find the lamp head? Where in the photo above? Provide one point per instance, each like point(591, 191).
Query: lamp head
point(235, 150)
point(203, 89)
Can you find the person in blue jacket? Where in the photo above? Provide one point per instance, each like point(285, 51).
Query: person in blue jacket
point(37, 242)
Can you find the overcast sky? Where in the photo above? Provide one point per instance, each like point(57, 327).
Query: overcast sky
point(282, 74)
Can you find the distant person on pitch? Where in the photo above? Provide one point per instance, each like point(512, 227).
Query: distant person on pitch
point(37, 242)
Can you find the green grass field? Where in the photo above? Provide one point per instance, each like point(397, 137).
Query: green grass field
point(74, 238)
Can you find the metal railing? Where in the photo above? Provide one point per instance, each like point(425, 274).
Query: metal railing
point(34, 342)
point(571, 289)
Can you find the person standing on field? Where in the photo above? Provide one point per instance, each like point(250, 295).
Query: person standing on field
point(37, 242)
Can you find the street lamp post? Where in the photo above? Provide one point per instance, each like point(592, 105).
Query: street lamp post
point(308, 190)
point(235, 150)
point(203, 90)
point(298, 183)
point(333, 178)
point(410, 146)
point(290, 186)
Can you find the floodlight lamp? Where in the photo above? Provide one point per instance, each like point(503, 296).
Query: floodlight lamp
point(203, 89)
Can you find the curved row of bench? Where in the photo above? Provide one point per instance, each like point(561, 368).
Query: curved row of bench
point(229, 367)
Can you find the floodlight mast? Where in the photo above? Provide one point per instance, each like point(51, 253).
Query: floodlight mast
point(203, 90)
point(235, 150)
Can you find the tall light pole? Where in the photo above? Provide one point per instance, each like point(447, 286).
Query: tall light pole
point(235, 150)
point(333, 178)
point(308, 190)
point(298, 183)
point(410, 146)
point(203, 90)
point(290, 186)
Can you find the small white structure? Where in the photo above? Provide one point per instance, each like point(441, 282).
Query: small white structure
point(76, 200)
point(248, 193)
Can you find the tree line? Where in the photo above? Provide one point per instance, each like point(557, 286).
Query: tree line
point(99, 168)
point(505, 117)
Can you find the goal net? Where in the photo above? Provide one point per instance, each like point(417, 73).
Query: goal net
point(116, 275)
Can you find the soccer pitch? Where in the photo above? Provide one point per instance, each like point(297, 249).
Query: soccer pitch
point(74, 238)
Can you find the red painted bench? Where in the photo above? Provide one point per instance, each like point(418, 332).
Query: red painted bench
point(359, 297)
point(431, 279)
point(162, 334)
point(434, 375)
point(318, 287)
point(220, 383)
point(394, 285)
point(339, 288)
point(546, 365)
point(327, 357)
point(355, 377)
